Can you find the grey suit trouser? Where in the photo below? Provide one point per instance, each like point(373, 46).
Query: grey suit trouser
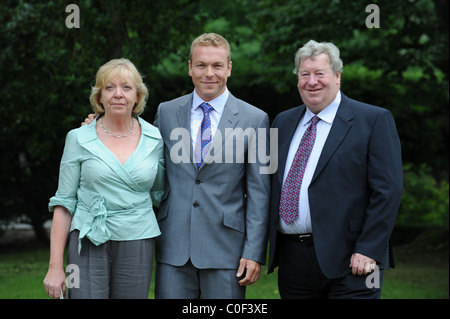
point(115, 269)
point(189, 282)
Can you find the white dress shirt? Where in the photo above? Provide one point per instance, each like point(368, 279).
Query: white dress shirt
point(218, 105)
point(302, 224)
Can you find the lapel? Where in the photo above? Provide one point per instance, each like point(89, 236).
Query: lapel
point(183, 113)
point(150, 137)
point(288, 131)
point(87, 137)
point(341, 126)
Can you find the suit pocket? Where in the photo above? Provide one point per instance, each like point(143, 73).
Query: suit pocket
point(234, 222)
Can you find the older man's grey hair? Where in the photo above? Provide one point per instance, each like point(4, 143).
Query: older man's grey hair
point(313, 48)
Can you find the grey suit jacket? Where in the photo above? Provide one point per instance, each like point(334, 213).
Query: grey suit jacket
point(217, 214)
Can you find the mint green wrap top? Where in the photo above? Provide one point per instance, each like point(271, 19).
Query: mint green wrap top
point(108, 200)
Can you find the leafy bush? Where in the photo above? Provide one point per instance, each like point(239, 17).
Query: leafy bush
point(425, 200)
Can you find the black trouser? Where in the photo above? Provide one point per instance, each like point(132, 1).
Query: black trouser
point(300, 276)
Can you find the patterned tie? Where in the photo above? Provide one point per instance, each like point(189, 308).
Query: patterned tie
point(204, 136)
point(291, 188)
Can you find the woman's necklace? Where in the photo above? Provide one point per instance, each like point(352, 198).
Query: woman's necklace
point(113, 135)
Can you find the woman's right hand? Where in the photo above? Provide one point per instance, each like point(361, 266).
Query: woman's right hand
point(54, 281)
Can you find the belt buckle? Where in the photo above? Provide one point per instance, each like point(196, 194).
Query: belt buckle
point(304, 238)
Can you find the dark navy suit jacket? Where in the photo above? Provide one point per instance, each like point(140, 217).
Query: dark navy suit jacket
point(356, 189)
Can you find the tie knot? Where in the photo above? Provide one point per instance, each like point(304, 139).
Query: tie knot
point(314, 120)
point(206, 107)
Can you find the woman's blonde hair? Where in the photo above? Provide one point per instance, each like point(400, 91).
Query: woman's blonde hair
point(124, 69)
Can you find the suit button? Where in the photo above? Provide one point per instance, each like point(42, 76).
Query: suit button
point(197, 181)
point(196, 204)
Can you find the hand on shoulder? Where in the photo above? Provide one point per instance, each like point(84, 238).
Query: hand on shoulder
point(89, 119)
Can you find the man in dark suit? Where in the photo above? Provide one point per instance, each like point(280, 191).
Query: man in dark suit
point(338, 188)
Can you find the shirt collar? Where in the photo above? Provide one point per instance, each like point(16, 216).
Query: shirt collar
point(327, 114)
point(218, 103)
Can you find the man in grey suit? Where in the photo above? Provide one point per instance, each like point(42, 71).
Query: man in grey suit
point(214, 214)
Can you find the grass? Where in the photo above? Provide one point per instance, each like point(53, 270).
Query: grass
point(416, 276)
point(423, 275)
point(22, 271)
point(421, 272)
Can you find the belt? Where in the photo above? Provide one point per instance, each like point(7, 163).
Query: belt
point(304, 239)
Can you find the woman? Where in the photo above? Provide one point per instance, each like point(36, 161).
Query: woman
point(112, 172)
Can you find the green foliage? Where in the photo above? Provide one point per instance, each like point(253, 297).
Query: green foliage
point(425, 201)
point(47, 74)
point(402, 66)
point(48, 70)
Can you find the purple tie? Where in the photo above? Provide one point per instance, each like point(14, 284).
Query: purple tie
point(204, 137)
point(291, 187)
